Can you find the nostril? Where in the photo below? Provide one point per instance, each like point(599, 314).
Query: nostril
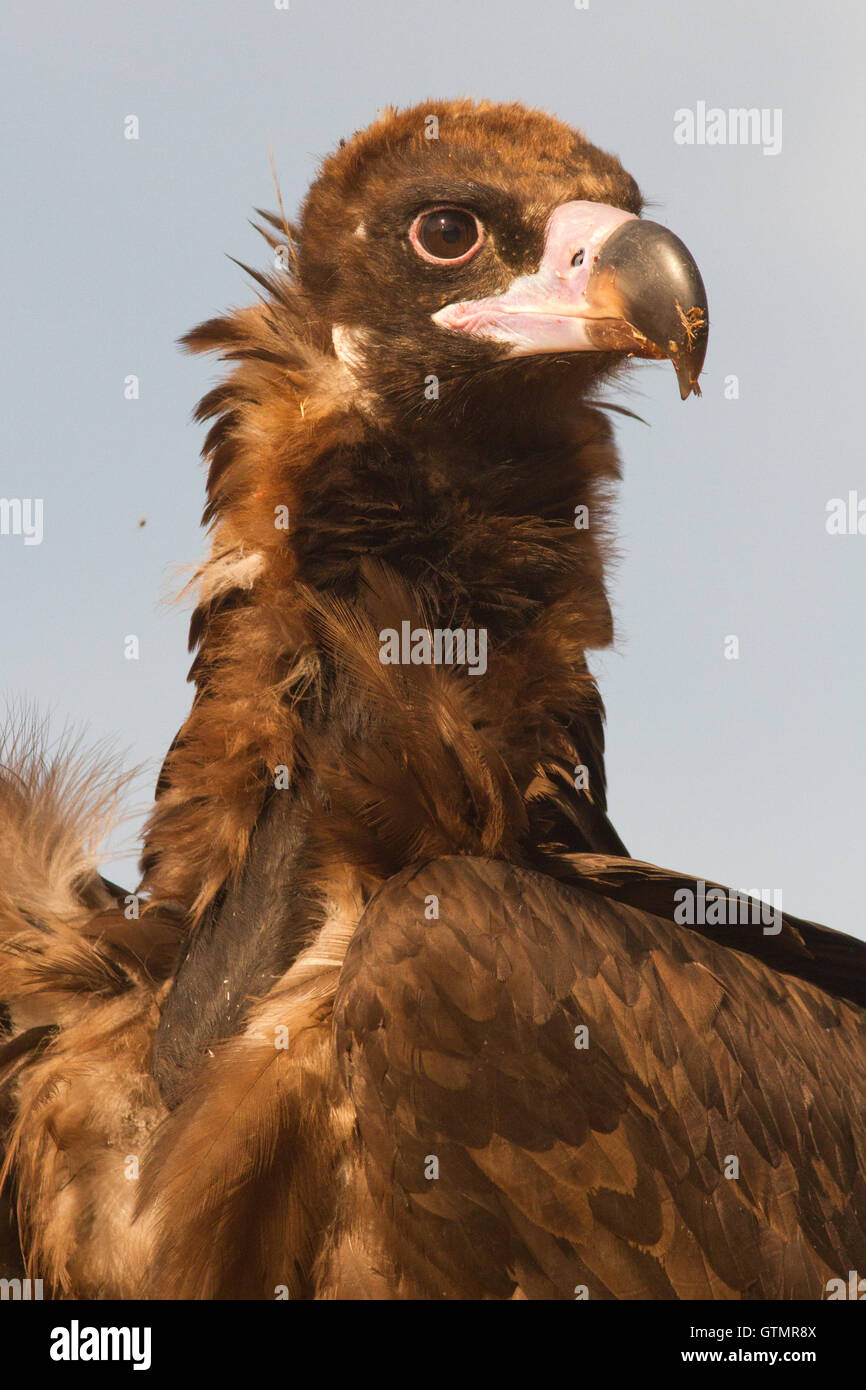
point(577, 258)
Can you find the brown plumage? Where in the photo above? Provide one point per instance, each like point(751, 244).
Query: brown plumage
point(337, 1054)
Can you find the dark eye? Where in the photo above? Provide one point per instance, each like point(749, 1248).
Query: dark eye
point(446, 234)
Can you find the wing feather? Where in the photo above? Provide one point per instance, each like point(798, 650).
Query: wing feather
point(706, 1142)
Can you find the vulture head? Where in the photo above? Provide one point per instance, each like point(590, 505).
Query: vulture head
point(489, 249)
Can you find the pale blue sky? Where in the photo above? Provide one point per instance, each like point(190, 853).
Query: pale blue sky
point(748, 771)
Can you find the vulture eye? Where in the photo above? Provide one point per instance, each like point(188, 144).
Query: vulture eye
point(446, 234)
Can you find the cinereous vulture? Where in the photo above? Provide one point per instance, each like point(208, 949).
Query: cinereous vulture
point(393, 1014)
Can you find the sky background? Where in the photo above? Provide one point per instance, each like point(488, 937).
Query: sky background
point(749, 771)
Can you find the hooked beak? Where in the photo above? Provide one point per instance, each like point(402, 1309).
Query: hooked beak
point(608, 282)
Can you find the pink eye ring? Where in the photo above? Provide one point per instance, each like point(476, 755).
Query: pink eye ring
point(446, 235)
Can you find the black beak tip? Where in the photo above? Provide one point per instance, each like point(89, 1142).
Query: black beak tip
point(688, 385)
point(662, 294)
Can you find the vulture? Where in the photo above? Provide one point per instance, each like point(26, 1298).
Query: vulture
point(393, 1012)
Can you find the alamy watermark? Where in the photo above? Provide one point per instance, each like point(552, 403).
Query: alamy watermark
point(740, 125)
point(22, 516)
point(439, 646)
point(723, 907)
point(20, 1290)
point(846, 516)
point(77, 1343)
point(852, 1288)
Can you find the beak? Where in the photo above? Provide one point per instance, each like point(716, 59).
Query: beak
point(608, 282)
